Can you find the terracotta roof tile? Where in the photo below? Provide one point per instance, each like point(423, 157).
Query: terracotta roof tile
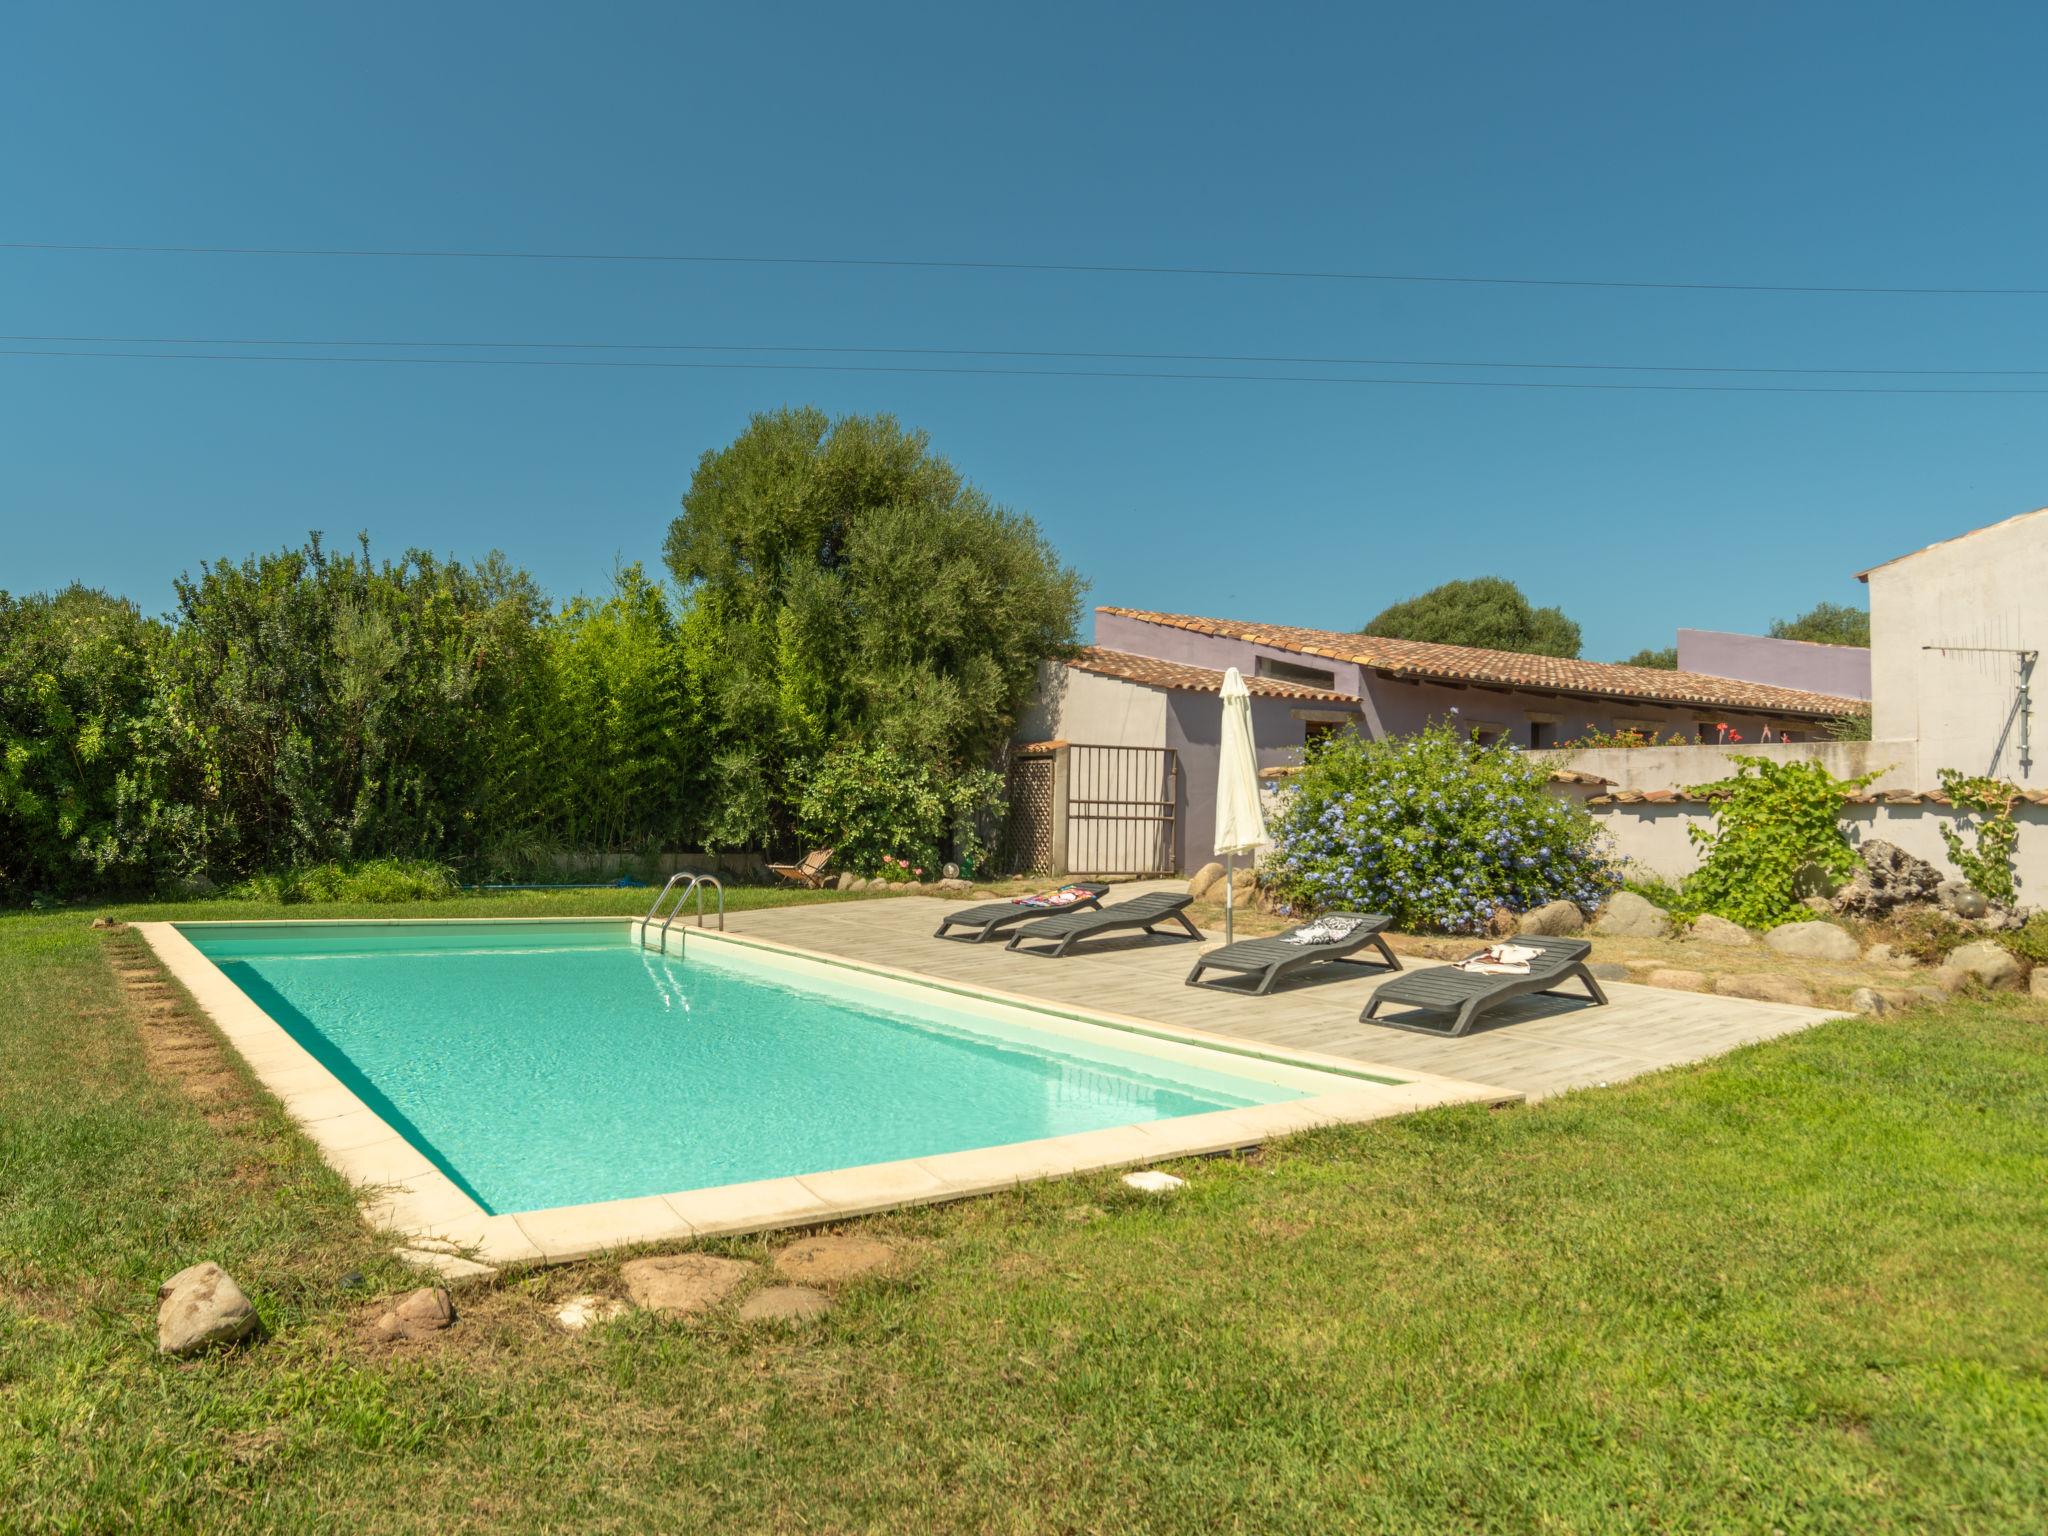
point(1154, 673)
point(1512, 669)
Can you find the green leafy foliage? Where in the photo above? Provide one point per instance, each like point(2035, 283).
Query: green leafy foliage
point(376, 880)
point(1772, 820)
point(1848, 727)
point(1929, 934)
point(845, 583)
point(1826, 624)
point(1981, 844)
point(1626, 740)
point(1489, 611)
point(1433, 829)
point(884, 813)
point(1663, 659)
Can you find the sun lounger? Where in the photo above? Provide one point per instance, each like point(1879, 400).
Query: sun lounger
point(992, 917)
point(1468, 994)
point(1271, 958)
point(1140, 912)
point(809, 872)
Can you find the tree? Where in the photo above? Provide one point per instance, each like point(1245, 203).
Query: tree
point(1489, 611)
point(841, 581)
point(1826, 624)
point(1664, 659)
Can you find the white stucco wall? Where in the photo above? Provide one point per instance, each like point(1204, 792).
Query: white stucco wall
point(1986, 589)
point(1099, 711)
point(1897, 763)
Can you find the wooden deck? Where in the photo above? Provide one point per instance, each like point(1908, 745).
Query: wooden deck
point(1535, 1045)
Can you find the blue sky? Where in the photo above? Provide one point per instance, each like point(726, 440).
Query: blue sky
point(1887, 146)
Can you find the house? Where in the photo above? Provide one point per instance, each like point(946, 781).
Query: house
point(1119, 754)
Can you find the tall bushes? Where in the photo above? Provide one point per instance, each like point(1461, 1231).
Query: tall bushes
point(1772, 820)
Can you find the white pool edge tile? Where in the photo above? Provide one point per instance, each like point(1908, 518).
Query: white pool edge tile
point(403, 1192)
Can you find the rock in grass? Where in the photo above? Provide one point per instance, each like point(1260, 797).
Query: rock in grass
point(1204, 881)
point(1765, 989)
point(683, 1282)
point(1985, 964)
point(785, 1304)
point(581, 1313)
point(1629, 916)
point(417, 1315)
point(1885, 958)
point(847, 881)
point(201, 1308)
point(1813, 941)
point(1554, 919)
point(830, 1260)
point(2037, 984)
point(1677, 980)
point(1709, 929)
point(1877, 1001)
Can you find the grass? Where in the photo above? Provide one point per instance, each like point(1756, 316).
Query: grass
point(1803, 1288)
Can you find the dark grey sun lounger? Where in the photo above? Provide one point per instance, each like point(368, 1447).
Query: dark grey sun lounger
point(1140, 912)
point(1271, 958)
point(991, 917)
point(1468, 994)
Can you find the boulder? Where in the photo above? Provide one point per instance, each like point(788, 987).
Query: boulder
point(683, 1282)
point(1885, 958)
point(1630, 916)
point(1886, 878)
point(1676, 980)
point(847, 881)
point(1984, 964)
point(1709, 929)
point(416, 1315)
point(830, 1260)
point(1501, 923)
point(106, 922)
point(1928, 997)
point(1959, 898)
point(785, 1304)
point(957, 886)
point(1813, 941)
point(1877, 1001)
point(201, 1308)
point(1765, 989)
point(1244, 883)
point(1205, 880)
point(1554, 919)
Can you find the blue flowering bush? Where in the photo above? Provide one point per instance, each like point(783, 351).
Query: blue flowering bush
point(1434, 830)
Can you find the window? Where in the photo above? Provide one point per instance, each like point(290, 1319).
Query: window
point(1315, 732)
point(1288, 672)
point(1542, 733)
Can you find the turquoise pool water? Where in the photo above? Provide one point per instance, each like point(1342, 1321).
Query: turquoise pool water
point(542, 1065)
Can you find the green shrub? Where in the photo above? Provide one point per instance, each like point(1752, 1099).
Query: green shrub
point(2031, 942)
point(1434, 830)
point(1928, 934)
point(1984, 807)
point(886, 814)
point(1774, 819)
point(374, 881)
point(1657, 891)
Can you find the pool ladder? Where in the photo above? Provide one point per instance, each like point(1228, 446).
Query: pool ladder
point(688, 883)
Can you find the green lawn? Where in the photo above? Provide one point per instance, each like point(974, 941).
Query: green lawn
point(1802, 1288)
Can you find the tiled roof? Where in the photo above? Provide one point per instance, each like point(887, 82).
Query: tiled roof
point(1512, 669)
point(1154, 673)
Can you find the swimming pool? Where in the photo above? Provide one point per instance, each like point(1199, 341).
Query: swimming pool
point(562, 1074)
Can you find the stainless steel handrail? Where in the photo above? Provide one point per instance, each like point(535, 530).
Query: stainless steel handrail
point(697, 884)
point(660, 897)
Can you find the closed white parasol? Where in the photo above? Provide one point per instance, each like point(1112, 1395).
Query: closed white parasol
point(1240, 825)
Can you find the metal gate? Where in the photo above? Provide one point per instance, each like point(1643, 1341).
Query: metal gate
point(1121, 805)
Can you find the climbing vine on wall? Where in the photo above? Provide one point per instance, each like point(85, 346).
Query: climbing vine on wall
point(1774, 819)
point(1985, 814)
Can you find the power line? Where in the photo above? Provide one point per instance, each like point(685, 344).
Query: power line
point(1023, 373)
point(1076, 267)
point(1156, 357)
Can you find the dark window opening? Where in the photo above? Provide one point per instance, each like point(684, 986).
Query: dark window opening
point(1315, 732)
point(1288, 672)
point(1542, 733)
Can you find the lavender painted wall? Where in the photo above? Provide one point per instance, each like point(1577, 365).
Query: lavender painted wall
point(1839, 669)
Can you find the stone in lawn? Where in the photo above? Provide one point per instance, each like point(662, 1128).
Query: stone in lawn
point(1878, 1001)
point(1885, 958)
point(956, 885)
point(832, 1260)
point(1765, 989)
point(1985, 963)
point(1153, 1182)
point(1709, 929)
point(1677, 980)
point(1629, 916)
point(785, 1304)
point(418, 1314)
point(1813, 941)
point(1554, 919)
point(581, 1313)
point(683, 1282)
point(847, 881)
point(201, 1307)
point(1204, 882)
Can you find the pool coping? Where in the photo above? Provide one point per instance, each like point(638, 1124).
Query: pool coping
point(443, 1227)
